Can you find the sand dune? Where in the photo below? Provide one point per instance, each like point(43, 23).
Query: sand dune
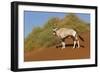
point(56, 53)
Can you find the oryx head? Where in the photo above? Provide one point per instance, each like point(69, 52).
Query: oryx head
point(54, 30)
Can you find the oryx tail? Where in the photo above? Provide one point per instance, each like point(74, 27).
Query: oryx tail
point(81, 37)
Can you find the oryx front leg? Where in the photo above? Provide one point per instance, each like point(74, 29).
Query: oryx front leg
point(63, 45)
point(74, 44)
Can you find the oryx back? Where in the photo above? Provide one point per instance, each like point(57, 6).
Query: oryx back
point(64, 32)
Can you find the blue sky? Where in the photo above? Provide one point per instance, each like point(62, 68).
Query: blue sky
point(34, 19)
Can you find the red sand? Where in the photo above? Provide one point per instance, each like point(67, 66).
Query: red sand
point(54, 53)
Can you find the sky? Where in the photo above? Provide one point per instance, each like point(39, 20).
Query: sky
point(34, 19)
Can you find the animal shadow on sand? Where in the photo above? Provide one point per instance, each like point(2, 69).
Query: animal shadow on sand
point(68, 45)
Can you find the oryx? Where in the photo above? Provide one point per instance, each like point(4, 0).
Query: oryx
point(62, 33)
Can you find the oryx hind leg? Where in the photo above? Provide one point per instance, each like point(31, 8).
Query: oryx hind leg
point(78, 43)
point(74, 43)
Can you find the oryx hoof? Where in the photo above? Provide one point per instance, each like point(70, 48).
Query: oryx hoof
point(63, 48)
point(73, 47)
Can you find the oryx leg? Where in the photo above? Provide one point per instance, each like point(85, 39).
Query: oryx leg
point(74, 43)
point(77, 41)
point(78, 44)
point(63, 43)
